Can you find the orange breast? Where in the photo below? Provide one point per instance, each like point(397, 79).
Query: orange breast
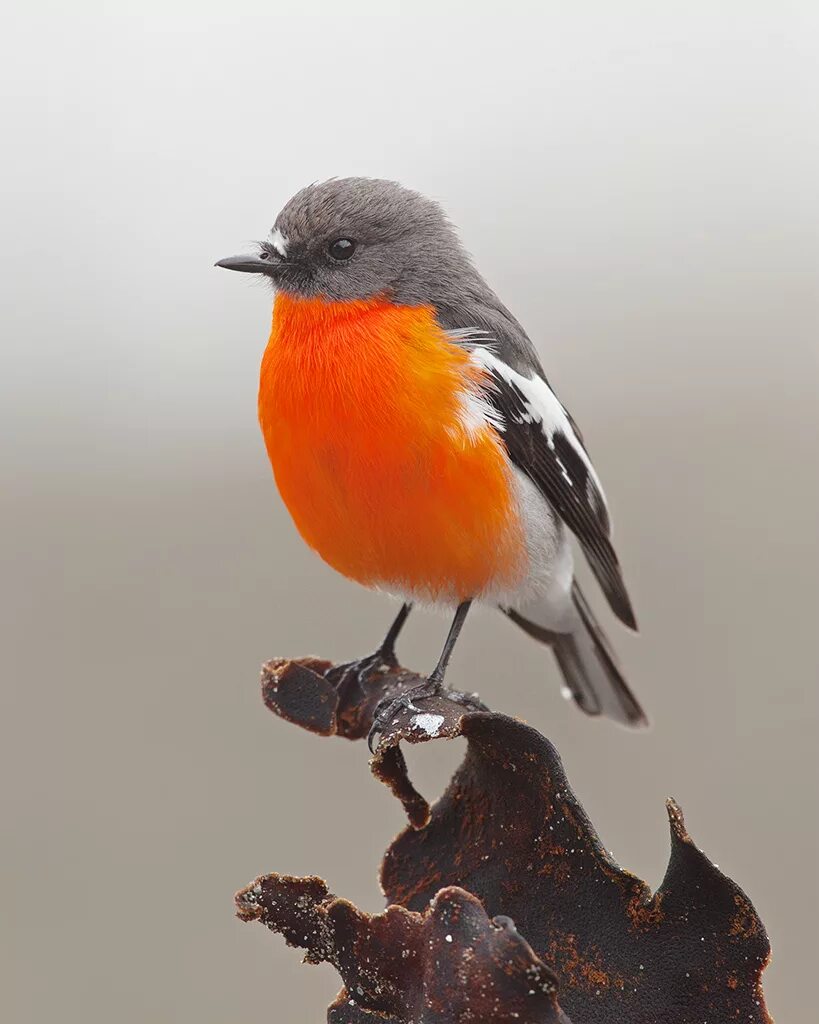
point(361, 406)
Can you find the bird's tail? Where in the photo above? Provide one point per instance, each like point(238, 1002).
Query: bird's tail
point(588, 664)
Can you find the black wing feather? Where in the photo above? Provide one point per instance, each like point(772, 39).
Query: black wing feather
point(561, 474)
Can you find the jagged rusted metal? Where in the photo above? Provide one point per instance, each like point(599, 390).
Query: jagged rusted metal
point(510, 831)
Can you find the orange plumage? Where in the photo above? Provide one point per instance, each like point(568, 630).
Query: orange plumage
point(362, 407)
point(416, 441)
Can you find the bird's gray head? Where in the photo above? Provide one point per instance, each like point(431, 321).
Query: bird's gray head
point(356, 238)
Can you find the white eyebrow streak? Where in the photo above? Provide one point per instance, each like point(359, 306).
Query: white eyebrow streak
point(278, 241)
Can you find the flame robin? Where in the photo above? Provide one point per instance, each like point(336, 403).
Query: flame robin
point(415, 439)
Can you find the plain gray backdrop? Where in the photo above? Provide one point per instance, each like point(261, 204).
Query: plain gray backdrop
point(638, 181)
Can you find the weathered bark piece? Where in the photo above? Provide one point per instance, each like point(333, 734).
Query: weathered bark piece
point(447, 964)
point(510, 831)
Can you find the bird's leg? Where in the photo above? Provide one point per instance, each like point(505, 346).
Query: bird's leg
point(384, 656)
point(436, 678)
point(387, 709)
point(387, 649)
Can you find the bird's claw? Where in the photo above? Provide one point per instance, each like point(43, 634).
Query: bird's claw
point(387, 708)
point(358, 671)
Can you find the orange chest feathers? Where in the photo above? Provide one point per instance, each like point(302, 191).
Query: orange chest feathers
point(364, 408)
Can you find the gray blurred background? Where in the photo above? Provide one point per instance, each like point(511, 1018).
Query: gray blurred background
point(638, 181)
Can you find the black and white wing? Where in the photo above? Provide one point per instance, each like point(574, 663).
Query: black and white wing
point(544, 443)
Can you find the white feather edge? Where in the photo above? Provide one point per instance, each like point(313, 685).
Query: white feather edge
point(542, 403)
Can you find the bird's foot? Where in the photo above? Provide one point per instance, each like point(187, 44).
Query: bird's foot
point(350, 673)
point(389, 707)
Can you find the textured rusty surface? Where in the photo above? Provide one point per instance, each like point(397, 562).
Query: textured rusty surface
point(447, 964)
point(509, 830)
point(316, 695)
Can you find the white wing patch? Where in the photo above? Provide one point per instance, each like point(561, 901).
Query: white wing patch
point(279, 242)
point(542, 406)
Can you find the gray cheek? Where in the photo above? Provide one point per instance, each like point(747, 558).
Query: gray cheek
point(362, 281)
point(320, 282)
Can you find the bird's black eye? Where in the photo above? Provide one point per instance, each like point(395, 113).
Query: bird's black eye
point(341, 248)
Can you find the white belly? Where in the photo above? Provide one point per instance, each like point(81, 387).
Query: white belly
point(544, 595)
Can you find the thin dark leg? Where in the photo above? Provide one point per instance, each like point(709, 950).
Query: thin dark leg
point(437, 676)
point(433, 685)
point(387, 648)
point(346, 675)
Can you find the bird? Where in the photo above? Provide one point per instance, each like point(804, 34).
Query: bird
point(416, 441)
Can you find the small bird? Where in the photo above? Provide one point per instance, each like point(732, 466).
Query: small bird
point(416, 441)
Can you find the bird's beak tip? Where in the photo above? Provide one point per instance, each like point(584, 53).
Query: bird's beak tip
point(246, 264)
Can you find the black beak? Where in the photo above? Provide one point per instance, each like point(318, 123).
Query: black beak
point(249, 264)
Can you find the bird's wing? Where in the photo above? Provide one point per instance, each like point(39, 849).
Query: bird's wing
point(543, 441)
